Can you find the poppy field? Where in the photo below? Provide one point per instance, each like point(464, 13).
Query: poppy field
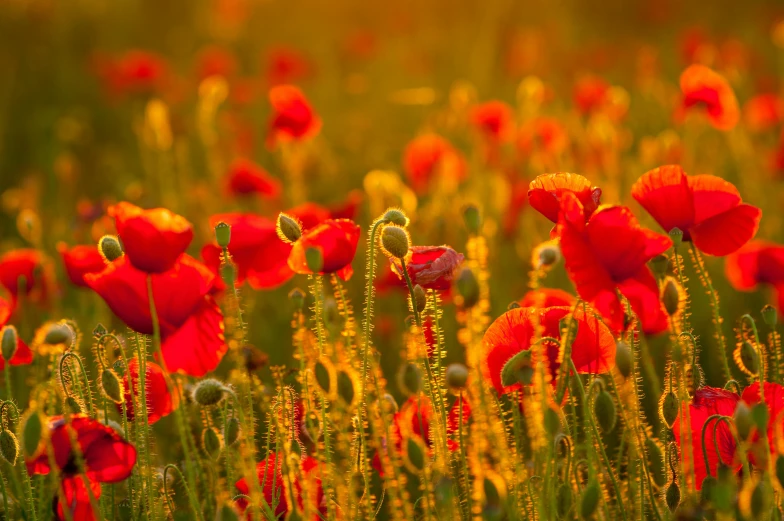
point(391, 261)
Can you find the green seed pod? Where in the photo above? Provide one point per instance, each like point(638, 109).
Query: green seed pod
point(659, 265)
point(468, 287)
point(297, 297)
point(231, 431)
point(676, 235)
point(9, 447)
point(288, 228)
point(472, 219)
point(456, 377)
point(623, 358)
point(673, 496)
point(124, 510)
point(769, 315)
point(395, 216)
point(760, 415)
point(60, 333)
point(420, 298)
point(518, 369)
point(671, 296)
point(409, 379)
point(415, 453)
point(604, 411)
point(706, 493)
point(747, 358)
point(32, 431)
point(110, 248)
point(73, 405)
point(395, 241)
point(761, 498)
point(743, 420)
point(346, 388)
point(209, 392)
point(314, 259)
point(9, 342)
point(211, 442)
point(563, 500)
point(656, 466)
point(223, 234)
point(323, 375)
point(548, 254)
point(590, 499)
point(227, 512)
point(112, 386)
point(670, 406)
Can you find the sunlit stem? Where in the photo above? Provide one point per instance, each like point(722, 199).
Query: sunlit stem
point(717, 320)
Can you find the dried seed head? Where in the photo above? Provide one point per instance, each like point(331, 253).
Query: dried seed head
point(670, 405)
point(604, 411)
point(420, 298)
point(223, 234)
point(456, 377)
point(209, 392)
point(289, 228)
point(623, 358)
point(9, 342)
point(468, 287)
point(676, 235)
point(770, 315)
point(112, 386)
point(9, 447)
point(110, 248)
point(314, 259)
point(395, 216)
point(395, 241)
point(671, 296)
point(472, 219)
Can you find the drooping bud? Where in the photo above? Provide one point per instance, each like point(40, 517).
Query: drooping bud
point(769, 315)
point(9, 447)
point(211, 442)
point(314, 259)
point(676, 235)
point(9, 342)
point(297, 297)
point(590, 499)
point(456, 377)
point(472, 219)
point(518, 369)
point(673, 496)
point(563, 500)
point(112, 386)
point(395, 241)
point(670, 406)
point(604, 410)
point(743, 420)
point(659, 265)
point(546, 255)
point(231, 431)
point(32, 430)
point(60, 333)
point(409, 379)
point(395, 216)
point(223, 234)
point(708, 486)
point(420, 298)
point(110, 248)
point(623, 358)
point(747, 358)
point(288, 228)
point(209, 392)
point(468, 287)
point(671, 296)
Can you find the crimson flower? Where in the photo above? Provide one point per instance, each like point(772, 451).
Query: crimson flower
point(607, 253)
point(707, 209)
point(429, 157)
point(546, 191)
point(590, 94)
point(758, 262)
point(774, 400)
point(432, 267)
point(25, 270)
point(23, 355)
point(593, 349)
point(286, 65)
point(136, 71)
point(77, 499)
point(152, 239)
point(247, 178)
point(337, 241)
point(494, 120)
point(547, 298)
point(79, 261)
point(763, 112)
point(160, 402)
point(708, 90)
point(708, 401)
point(108, 458)
point(191, 324)
point(293, 118)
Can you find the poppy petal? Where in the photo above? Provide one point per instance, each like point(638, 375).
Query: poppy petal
point(664, 193)
point(198, 346)
point(712, 195)
point(727, 232)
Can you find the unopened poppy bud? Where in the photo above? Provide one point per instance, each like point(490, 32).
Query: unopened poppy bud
point(760, 416)
point(9, 342)
point(231, 431)
point(32, 430)
point(323, 372)
point(670, 406)
point(671, 297)
point(395, 242)
point(655, 457)
point(223, 234)
point(314, 259)
point(673, 496)
point(395, 216)
point(743, 420)
point(769, 315)
point(420, 298)
point(590, 499)
point(623, 358)
point(209, 392)
point(119, 367)
point(456, 377)
point(112, 386)
point(676, 235)
point(760, 500)
point(563, 500)
point(288, 228)
point(468, 287)
point(124, 510)
point(747, 358)
point(604, 410)
point(659, 265)
point(415, 453)
point(518, 369)
point(9, 447)
point(547, 255)
point(73, 405)
point(210, 442)
point(110, 248)
point(409, 379)
point(472, 219)
point(708, 485)
point(297, 297)
point(60, 333)
point(346, 388)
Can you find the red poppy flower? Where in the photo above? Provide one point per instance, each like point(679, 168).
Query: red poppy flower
point(774, 399)
point(547, 298)
point(310, 214)
point(430, 156)
point(152, 239)
point(247, 178)
point(708, 401)
point(215, 61)
point(293, 118)
point(706, 89)
point(77, 499)
point(270, 475)
point(23, 355)
point(543, 135)
point(758, 262)
point(25, 269)
point(590, 94)
point(593, 350)
point(546, 191)
point(349, 207)
point(432, 267)
point(134, 72)
point(763, 112)
point(337, 241)
point(260, 256)
point(108, 458)
point(79, 261)
point(160, 402)
point(191, 323)
point(287, 65)
point(707, 209)
point(494, 120)
point(610, 252)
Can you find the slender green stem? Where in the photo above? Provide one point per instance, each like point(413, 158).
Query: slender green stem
point(197, 511)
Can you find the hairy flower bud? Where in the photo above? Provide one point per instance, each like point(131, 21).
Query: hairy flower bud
point(761, 416)
point(231, 431)
point(209, 392)
point(743, 420)
point(590, 499)
point(297, 297)
point(546, 255)
point(223, 234)
point(32, 432)
point(395, 216)
point(673, 496)
point(670, 406)
point(420, 298)
point(518, 369)
point(604, 411)
point(9, 342)
point(563, 500)
point(656, 466)
point(314, 259)
point(770, 315)
point(112, 386)
point(659, 265)
point(110, 248)
point(211, 442)
point(346, 386)
point(671, 296)
point(9, 447)
point(60, 333)
point(395, 241)
point(409, 379)
point(623, 358)
point(289, 229)
point(73, 405)
point(747, 357)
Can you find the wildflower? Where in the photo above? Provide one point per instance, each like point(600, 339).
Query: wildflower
point(134, 72)
point(708, 401)
point(546, 192)
point(108, 458)
point(707, 209)
point(153, 239)
point(77, 498)
point(593, 348)
point(494, 120)
point(286, 65)
point(546, 298)
point(543, 136)
point(429, 157)
point(590, 94)
point(191, 324)
point(610, 252)
point(24, 272)
point(79, 261)
point(774, 400)
point(247, 178)
point(763, 112)
point(758, 262)
point(160, 402)
point(706, 89)
point(432, 267)
point(293, 118)
point(335, 239)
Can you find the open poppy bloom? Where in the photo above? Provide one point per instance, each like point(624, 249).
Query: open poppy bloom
point(543, 135)
point(432, 267)
point(108, 458)
point(259, 255)
point(705, 89)
point(247, 178)
point(160, 402)
point(494, 120)
point(593, 349)
point(590, 94)
point(191, 324)
point(708, 401)
point(77, 499)
point(23, 355)
point(337, 241)
point(610, 252)
point(774, 399)
point(293, 118)
point(152, 239)
point(546, 191)
point(430, 157)
point(547, 298)
point(24, 272)
point(758, 262)
point(79, 261)
point(707, 209)
point(763, 112)
point(274, 487)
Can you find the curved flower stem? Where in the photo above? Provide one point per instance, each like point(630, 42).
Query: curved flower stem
point(191, 498)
